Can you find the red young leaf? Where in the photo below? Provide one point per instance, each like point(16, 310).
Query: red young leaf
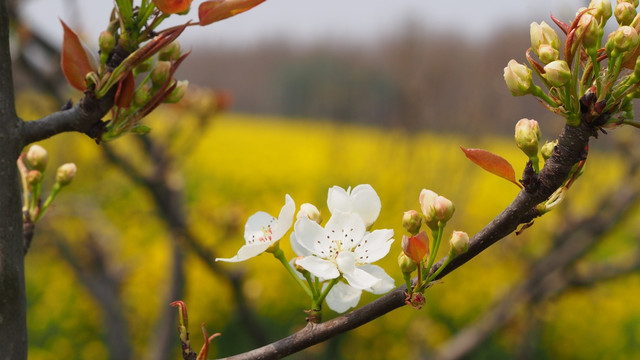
point(216, 10)
point(75, 61)
point(124, 93)
point(493, 163)
point(172, 6)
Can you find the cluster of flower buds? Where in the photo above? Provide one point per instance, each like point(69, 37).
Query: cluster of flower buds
point(127, 69)
point(32, 166)
point(584, 78)
point(418, 252)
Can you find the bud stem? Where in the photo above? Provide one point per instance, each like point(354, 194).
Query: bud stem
point(54, 192)
point(279, 254)
point(537, 92)
point(437, 236)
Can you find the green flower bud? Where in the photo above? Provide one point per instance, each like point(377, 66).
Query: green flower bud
point(518, 78)
point(543, 34)
point(557, 73)
point(309, 211)
point(625, 13)
point(601, 11)
point(527, 136)
point(547, 54)
point(590, 32)
point(444, 208)
point(624, 39)
point(143, 66)
point(160, 73)
point(547, 149)
point(66, 173)
point(459, 243)
point(170, 52)
point(37, 157)
point(407, 266)
point(106, 42)
point(412, 221)
point(178, 92)
point(141, 96)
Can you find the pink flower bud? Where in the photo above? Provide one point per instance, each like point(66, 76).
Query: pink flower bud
point(37, 157)
point(66, 173)
point(443, 208)
point(459, 243)
point(411, 221)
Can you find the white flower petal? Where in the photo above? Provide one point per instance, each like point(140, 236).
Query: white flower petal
point(285, 218)
point(361, 279)
point(346, 262)
point(257, 224)
point(312, 237)
point(297, 247)
point(366, 203)
point(345, 229)
point(385, 285)
point(319, 267)
point(342, 297)
point(338, 199)
point(374, 246)
point(247, 251)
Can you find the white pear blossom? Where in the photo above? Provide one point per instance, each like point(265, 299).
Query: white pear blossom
point(362, 200)
point(263, 230)
point(343, 248)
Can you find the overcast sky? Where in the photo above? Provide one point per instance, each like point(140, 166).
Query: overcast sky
point(307, 20)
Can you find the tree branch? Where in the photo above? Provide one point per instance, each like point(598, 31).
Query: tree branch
point(570, 150)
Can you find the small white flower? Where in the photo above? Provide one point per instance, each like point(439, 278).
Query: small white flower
point(362, 200)
point(263, 230)
point(342, 248)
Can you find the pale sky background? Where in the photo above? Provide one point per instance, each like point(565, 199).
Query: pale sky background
point(310, 20)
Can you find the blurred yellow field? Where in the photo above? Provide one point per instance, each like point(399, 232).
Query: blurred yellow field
point(241, 164)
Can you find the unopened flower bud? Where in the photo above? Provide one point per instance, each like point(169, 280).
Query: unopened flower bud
point(411, 221)
point(547, 54)
point(106, 42)
point(590, 32)
point(427, 197)
point(33, 177)
point(37, 157)
point(459, 243)
point(407, 266)
point(624, 39)
point(625, 13)
point(527, 136)
point(160, 73)
point(416, 247)
point(601, 11)
point(519, 78)
point(309, 211)
point(444, 208)
point(547, 149)
point(543, 34)
point(66, 173)
point(557, 73)
point(178, 92)
point(141, 96)
point(143, 66)
point(170, 52)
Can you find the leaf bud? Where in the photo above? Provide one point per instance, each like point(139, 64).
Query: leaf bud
point(37, 157)
point(459, 243)
point(527, 136)
point(519, 78)
point(416, 247)
point(557, 73)
point(66, 173)
point(411, 221)
point(309, 211)
point(547, 149)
